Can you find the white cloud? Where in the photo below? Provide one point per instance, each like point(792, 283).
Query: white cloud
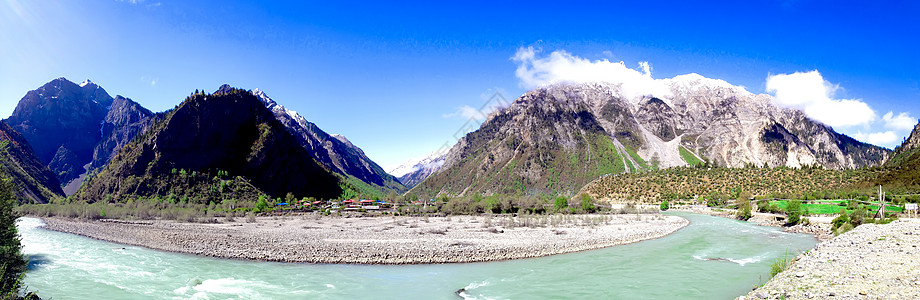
point(137, 2)
point(154, 82)
point(902, 121)
point(815, 96)
point(887, 138)
point(560, 66)
point(467, 112)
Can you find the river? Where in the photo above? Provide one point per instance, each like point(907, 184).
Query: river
point(712, 258)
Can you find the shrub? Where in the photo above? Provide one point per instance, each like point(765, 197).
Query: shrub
point(262, 205)
point(744, 209)
point(587, 204)
point(780, 264)
point(664, 205)
point(561, 204)
point(843, 228)
point(839, 221)
point(858, 216)
point(793, 212)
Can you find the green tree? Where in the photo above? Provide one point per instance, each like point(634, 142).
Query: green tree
point(12, 263)
point(561, 204)
point(793, 212)
point(262, 205)
point(347, 192)
point(391, 196)
point(665, 205)
point(744, 206)
point(587, 204)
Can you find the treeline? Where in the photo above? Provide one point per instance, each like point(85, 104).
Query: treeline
point(719, 185)
point(145, 209)
point(501, 204)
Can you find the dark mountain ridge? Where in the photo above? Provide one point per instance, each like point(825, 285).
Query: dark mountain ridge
point(35, 183)
point(230, 130)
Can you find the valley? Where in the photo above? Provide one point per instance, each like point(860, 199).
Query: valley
point(479, 150)
point(233, 174)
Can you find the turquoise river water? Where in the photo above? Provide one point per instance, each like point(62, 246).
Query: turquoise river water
point(712, 258)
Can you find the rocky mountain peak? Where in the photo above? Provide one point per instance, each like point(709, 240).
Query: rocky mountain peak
point(62, 121)
point(223, 89)
point(125, 120)
point(554, 137)
point(414, 171)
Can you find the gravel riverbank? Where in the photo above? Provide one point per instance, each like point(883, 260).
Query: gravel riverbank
point(381, 240)
point(869, 262)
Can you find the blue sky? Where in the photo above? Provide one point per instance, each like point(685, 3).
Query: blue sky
point(397, 80)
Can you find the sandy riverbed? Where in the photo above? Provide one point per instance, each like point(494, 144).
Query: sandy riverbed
point(381, 240)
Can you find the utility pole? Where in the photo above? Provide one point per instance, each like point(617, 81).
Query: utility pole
point(881, 201)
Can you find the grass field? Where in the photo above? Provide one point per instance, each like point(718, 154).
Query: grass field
point(826, 209)
point(688, 156)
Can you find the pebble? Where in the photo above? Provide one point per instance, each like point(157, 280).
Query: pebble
point(375, 240)
point(868, 260)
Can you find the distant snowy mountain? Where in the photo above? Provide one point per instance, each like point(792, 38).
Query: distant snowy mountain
point(333, 151)
point(414, 171)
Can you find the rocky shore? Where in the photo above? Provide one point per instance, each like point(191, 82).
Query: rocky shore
point(820, 227)
point(869, 262)
point(381, 240)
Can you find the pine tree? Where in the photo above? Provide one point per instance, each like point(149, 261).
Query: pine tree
point(12, 263)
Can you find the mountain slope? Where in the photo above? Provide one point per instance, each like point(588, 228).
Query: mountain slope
point(903, 168)
point(907, 149)
point(125, 120)
point(61, 120)
point(35, 182)
point(573, 133)
point(335, 152)
point(230, 131)
point(545, 143)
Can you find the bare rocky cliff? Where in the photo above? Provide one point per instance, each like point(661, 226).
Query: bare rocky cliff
point(553, 139)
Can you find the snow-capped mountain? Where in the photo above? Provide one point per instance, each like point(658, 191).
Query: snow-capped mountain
point(556, 138)
point(414, 171)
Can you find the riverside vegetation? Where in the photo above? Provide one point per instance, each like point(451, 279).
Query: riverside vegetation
point(12, 263)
